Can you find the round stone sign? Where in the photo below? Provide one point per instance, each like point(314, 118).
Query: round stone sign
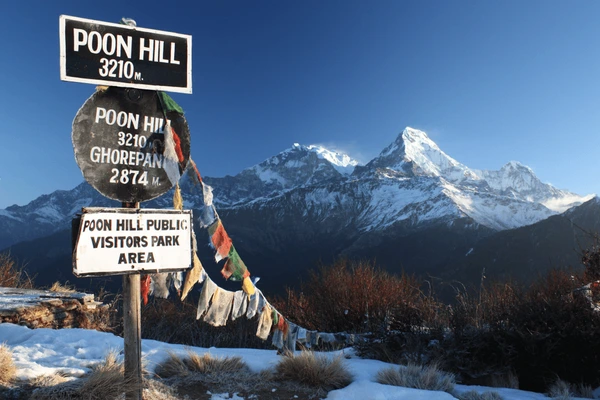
point(119, 143)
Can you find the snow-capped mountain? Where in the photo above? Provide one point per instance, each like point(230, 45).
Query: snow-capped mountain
point(298, 166)
point(412, 179)
point(47, 214)
point(413, 153)
point(519, 181)
point(309, 203)
point(504, 199)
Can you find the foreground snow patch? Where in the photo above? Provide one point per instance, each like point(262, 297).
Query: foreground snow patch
point(72, 352)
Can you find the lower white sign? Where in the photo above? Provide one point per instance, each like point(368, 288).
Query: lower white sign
point(115, 241)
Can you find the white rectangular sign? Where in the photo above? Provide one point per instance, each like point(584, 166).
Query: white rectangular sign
point(103, 53)
point(121, 241)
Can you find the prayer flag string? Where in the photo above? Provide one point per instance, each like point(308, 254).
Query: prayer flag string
point(217, 305)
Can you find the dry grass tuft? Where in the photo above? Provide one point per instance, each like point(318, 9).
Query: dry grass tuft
point(208, 364)
point(11, 275)
point(196, 363)
point(155, 390)
point(172, 366)
point(106, 380)
point(317, 371)
point(473, 395)
point(562, 390)
point(504, 380)
point(417, 377)
point(7, 366)
point(584, 391)
point(60, 288)
point(62, 391)
point(47, 380)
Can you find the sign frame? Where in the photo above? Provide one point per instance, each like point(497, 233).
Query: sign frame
point(107, 82)
point(128, 269)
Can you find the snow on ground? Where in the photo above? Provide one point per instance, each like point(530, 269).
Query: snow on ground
point(73, 351)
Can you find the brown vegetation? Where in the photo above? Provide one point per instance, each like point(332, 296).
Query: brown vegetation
point(194, 374)
point(418, 377)
point(502, 333)
point(105, 381)
point(173, 321)
point(175, 365)
point(561, 390)
point(353, 297)
point(11, 275)
point(7, 366)
point(473, 395)
point(317, 371)
point(61, 288)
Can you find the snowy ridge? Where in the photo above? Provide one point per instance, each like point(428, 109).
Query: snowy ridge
point(8, 214)
point(405, 200)
point(496, 212)
point(411, 181)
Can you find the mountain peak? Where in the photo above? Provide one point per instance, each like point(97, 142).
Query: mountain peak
point(413, 153)
point(300, 165)
point(516, 165)
point(416, 136)
point(341, 161)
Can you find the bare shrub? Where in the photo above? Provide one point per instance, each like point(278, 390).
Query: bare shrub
point(11, 275)
point(473, 395)
point(527, 331)
point(590, 258)
point(352, 296)
point(318, 371)
point(7, 366)
point(417, 377)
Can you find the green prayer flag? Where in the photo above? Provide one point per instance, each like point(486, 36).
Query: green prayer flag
point(235, 265)
point(168, 104)
point(213, 228)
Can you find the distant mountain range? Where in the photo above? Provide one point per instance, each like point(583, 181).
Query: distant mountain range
point(412, 208)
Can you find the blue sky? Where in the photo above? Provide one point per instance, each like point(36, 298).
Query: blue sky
point(488, 81)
